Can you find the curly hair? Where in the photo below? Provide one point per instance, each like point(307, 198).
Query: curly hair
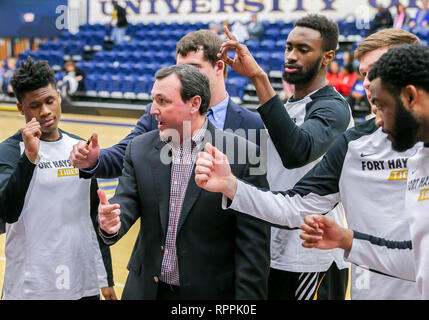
point(31, 76)
point(327, 28)
point(401, 66)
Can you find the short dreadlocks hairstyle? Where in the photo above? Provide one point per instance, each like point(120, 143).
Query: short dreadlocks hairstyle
point(327, 28)
point(401, 66)
point(31, 76)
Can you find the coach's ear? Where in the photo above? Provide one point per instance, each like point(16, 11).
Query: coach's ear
point(411, 97)
point(195, 104)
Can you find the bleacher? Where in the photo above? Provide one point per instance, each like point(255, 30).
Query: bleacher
point(123, 74)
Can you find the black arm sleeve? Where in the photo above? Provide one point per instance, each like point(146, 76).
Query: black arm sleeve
point(297, 146)
point(16, 172)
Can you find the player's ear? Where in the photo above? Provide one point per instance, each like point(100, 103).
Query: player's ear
point(19, 106)
point(59, 96)
point(328, 57)
point(410, 97)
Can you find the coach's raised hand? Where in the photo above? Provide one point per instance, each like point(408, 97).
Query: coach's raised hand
point(213, 172)
point(31, 133)
point(108, 214)
point(85, 156)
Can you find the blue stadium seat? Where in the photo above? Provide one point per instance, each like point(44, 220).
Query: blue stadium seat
point(127, 88)
point(59, 76)
point(163, 57)
point(90, 82)
point(101, 67)
point(125, 68)
point(276, 61)
point(235, 86)
point(253, 45)
point(143, 86)
point(151, 68)
point(102, 85)
point(272, 34)
point(115, 86)
point(262, 56)
point(267, 45)
point(112, 67)
point(138, 69)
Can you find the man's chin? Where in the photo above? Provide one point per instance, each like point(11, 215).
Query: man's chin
point(401, 146)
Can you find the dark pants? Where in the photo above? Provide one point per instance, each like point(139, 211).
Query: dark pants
point(329, 285)
point(167, 292)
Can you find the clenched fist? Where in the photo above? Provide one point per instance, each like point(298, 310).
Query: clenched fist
point(83, 156)
point(31, 133)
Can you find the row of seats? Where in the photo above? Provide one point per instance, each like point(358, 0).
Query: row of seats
point(118, 85)
point(130, 66)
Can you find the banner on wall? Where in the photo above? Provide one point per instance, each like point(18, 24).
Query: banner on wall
point(217, 10)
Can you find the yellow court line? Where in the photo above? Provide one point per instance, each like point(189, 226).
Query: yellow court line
point(8, 108)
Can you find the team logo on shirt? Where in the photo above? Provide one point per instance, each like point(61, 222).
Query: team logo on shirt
point(422, 184)
point(396, 175)
point(424, 195)
point(68, 172)
point(398, 166)
point(65, 169)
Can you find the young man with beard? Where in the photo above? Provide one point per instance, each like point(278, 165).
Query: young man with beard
point(359, 163)
point(300, 133)
point(401, 96)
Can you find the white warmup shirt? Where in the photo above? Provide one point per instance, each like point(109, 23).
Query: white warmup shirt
point(52, 250)
point(363, 172)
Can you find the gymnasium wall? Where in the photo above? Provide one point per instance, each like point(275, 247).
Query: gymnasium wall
point(212, 10)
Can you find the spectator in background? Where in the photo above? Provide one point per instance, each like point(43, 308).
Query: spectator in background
point(215, 28)
point(255, 29)
point(382, 20)
point(119, 23)
point(349, 58)
point(334, 76)
point(7, 74)
point(348, 79)
point(225, 23)
point(73, 79)
point(357, 98)
point(402, 18)
point(240, 31)
point(420, 22)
